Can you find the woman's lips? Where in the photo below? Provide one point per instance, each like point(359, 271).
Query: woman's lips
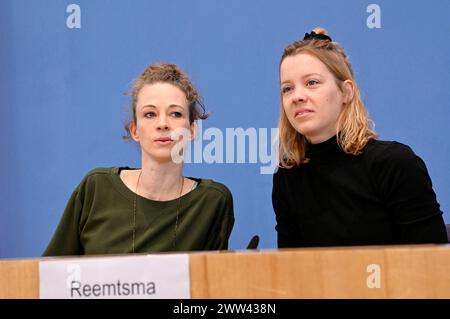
point(303, 112)
point(164, 140)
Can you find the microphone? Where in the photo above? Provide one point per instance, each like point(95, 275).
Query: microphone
point(253, 244)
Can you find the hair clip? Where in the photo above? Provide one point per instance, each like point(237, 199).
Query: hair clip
point(316, 36)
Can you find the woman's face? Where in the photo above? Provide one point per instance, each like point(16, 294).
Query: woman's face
point(311, 98)
point(161, 111)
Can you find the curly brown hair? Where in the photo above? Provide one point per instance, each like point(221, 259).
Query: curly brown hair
point(172, 74)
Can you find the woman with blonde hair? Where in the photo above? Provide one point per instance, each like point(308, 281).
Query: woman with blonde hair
point(337, 184)
point(153, 208)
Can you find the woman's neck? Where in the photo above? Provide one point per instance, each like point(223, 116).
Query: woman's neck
point(159, 181)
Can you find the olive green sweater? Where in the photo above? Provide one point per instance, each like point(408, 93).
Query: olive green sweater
point(98, 219)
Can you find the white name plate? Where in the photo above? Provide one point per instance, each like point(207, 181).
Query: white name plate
point(151, 276)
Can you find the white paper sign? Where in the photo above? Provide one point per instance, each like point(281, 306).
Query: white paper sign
point(151, 276)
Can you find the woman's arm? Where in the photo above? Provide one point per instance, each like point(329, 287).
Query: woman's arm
point(406, 188)
point(288, 235)
point(66, 239)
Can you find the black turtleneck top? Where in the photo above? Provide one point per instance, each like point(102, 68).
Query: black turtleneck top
point(381, 197)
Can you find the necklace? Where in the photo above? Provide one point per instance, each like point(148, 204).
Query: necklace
point(176, 220)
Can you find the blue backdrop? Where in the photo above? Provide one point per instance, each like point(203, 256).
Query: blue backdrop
point(64, 72)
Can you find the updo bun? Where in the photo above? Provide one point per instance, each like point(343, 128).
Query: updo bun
point(320, 31)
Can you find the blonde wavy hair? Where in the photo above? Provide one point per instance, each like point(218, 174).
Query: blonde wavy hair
point(354, 127)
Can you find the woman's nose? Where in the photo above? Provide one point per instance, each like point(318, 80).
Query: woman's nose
point(162, 123)
point(299, 96)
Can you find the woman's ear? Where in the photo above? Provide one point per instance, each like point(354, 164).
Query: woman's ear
point(133, 132)
point(349, 90)
point(193, 130)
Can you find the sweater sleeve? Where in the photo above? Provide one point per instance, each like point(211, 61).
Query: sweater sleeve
point(223, 224)
point(406, 188)
point(287, 234)
point(66, 239)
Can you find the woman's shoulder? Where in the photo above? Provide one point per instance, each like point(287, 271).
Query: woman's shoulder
point(385, 152)
point(102, 171)
point(216, 188)
point(99, 174)
point(282, 173)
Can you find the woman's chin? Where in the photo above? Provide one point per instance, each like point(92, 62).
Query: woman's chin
point(164, 157)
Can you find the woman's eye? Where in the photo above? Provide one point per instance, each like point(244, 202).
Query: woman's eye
point(286, 89)
point(150, 114)
point(176, 114)
point(312, 83)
